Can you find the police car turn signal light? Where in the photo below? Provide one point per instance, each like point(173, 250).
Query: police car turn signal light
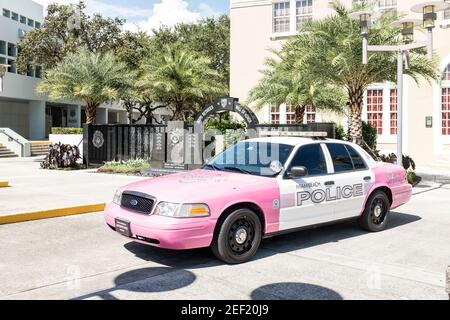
point(196, 211)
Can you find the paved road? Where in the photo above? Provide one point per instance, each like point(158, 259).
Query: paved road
point(33, 189)
point(78, 257)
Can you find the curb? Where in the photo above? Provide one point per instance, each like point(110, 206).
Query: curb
point(51, 213)
point(4, 184)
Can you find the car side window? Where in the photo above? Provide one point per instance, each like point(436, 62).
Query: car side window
point(358, 162)
point(341, 158)
point(312, 158)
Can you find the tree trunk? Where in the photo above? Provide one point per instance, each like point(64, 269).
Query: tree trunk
point(300, 113)
point(91, 112)
point(355, 125)
point(178, 113)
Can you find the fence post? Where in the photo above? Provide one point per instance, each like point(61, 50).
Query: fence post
point(86, 144)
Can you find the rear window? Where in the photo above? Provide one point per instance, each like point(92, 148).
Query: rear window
point(340, 156)
point(358, 162)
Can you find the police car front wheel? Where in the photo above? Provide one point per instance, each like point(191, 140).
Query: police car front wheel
point(238, 237)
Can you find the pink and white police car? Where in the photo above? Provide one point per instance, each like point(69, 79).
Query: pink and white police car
point(256, 189)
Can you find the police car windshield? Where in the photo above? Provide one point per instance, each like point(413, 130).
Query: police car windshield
point(251, 158)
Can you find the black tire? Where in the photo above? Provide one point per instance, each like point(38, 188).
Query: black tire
point(242, 225)
point(376, 213)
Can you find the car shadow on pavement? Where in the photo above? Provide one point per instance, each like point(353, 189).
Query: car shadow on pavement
point(173, 274)
point(201, 258)
point(294, 291)
point(329, 234)
point(133, 281)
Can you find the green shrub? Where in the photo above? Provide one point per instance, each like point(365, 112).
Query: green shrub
point(126, 167)
point(58, 130)
point(370, 136)
point(223, 124)
point(411, 176)
point(339, 132)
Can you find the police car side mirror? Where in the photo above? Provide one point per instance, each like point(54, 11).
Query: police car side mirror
point(297, 172)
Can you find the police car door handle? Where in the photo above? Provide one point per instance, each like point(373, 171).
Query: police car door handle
point(367, 178)
point(329, 183)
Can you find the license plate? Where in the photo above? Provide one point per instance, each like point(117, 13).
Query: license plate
point(123, 227)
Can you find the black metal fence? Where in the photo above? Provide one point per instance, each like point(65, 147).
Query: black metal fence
point(102, 143)
point(117, 142)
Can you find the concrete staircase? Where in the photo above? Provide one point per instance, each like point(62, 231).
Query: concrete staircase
point(436, 170)
point(6, 153)
point(40, 148)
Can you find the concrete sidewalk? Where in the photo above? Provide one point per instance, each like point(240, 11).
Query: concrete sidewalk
point(33, 189)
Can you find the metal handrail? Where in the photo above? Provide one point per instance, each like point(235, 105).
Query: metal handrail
point(22, 145)
point(12, 138)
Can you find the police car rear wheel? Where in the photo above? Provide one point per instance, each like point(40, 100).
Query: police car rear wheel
point(376, 214)
point(238, 237)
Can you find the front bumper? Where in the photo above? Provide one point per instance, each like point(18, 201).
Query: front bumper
point(164, 232)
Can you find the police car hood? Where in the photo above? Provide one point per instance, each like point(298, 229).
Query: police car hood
point(197, 186)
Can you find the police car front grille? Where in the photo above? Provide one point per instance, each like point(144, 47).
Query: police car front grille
point(137, 201)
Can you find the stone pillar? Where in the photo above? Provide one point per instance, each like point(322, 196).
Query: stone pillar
point(36, 120)
point(220, 143)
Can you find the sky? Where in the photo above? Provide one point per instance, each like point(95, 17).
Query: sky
point(147, 14)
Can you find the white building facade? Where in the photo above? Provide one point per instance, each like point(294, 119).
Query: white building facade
point(22, 109)
point(257, 25)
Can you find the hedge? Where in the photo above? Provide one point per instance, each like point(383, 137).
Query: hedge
point(57, 130)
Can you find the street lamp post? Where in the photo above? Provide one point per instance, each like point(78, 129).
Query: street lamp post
point(428, 9)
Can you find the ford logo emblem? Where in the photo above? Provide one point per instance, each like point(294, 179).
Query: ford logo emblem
point(133, 202)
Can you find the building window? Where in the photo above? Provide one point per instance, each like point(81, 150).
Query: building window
point(310, 114)
point(38, 72)
point(12, 66)
point(15, 16)
point(2, 60)
point(23, 19)
point(388, 4)
point(375, 109)
point(2, 47)
point(290, 115)
point(30, 22)
point(37, 25)
point(446, 76)
point(446, 102)
point(447, 14)
point(393, 105)
point(303, 12)
point(12, 50)
point(281, 17)
point(6, 13)
point(446, 111)
point(275, 115)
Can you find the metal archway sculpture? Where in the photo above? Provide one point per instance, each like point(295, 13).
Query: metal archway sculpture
point(227, 104)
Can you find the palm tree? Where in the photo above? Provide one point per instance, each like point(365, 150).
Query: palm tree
point(93, 78)
point(330, 50)
point(180, 79)
point(282, 83)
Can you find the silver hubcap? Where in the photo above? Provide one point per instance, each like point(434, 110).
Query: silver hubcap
point(241, 235)
point(377, 211)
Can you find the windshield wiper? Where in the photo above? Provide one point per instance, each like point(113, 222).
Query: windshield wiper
point(238, 169)
point(210, 165)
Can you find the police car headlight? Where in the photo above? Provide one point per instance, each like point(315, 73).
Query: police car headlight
point(176, 210)
point(117, 197)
